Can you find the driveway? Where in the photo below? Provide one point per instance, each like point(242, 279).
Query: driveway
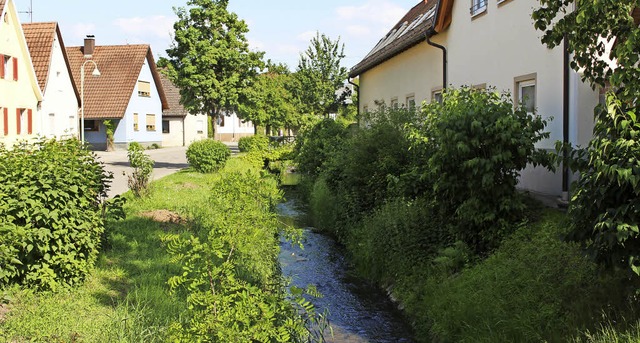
point(167, 161)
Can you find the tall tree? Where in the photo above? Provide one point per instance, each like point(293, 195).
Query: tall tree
point(210, 56)
point(605, 207)
point(268, 101)
point(319, 75)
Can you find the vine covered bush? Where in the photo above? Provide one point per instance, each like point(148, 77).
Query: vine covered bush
point(51, 198)
point(142, 165)
point(208, 155)
point(253, 143)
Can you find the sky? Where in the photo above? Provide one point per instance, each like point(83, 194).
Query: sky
point(280, 28)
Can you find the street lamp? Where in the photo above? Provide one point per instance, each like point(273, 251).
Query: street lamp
point(95, 73)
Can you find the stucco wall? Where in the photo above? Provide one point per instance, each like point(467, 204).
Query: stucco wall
point(232, 130)
point(175, 137)
point(195, 128)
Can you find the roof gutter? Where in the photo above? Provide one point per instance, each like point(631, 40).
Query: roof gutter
point(430, 34)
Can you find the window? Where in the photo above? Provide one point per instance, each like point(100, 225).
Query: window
point(136, 127)
point(221, 121)
point(72, 124)
point(8, 68)
point(365, 108)
point(411, 102)
point(151, 122)
point(525, 92)
point(394, 103)
point(200, 126)
point(144, 89)
point(92, 125)
point(436, 95)
point(52, 124)
point(479, 87)
point(478, 6)
point(165, 126)
point(5, 120)
point(24, 120)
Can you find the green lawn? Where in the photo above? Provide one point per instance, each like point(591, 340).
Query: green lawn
point(126, 298)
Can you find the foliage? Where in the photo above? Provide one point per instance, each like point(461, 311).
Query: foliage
point(606, 204)
point(268, 101)
point(258, 143)
point(109, 127)
point(230, 269)
point(207, 155)
point(211, 60)
point(319, 75)
point(477, 143)
point(51, 198)
point(317, 145)
point(142, 165)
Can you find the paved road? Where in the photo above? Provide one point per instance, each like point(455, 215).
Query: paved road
point(167, 161)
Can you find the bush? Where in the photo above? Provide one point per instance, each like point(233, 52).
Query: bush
point(317, 145)
point(142, 165)
point(253, 143)
point(476, 144)
point(51, 197)
point(208, 155)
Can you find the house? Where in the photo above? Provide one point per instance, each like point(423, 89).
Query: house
point(481, 43)
point(179, 128)
point(20, 93)
point(58, 111)
point(123, 94)
point(230, 128)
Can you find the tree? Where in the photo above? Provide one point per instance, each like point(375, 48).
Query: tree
point(319, 75)
point(211, 60)
point(605, 207)
point(268, 101)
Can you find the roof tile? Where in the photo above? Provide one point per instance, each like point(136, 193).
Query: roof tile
point(40, 37)
point(173, 99)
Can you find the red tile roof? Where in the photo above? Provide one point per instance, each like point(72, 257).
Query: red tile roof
point(107, 96)
point(173, 99)
point(408, 32)
point(2, 2)
point(40, 37)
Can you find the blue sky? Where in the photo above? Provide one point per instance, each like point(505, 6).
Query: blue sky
point(281, 28)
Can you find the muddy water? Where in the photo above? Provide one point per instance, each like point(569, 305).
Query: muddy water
point(358, 312)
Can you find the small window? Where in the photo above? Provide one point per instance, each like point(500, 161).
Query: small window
point(7, 67)
point(394, 103)
point(200, 126)
point(527, 95)
point(72, 124)
point(151, 122)
point(411, 102)
point(92, 125)
point(136, 126)
point(165, 126)
point(478, 6)
point(436, 95)
point(144, 89)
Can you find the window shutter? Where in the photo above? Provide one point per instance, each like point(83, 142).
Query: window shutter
point(18, 121)
point(1, 66)
point(6, 121)
point(15, 69)
point(29, 121)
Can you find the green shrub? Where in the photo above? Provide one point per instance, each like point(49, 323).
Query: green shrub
point(476, 144)
point(253, 143)
point(51, 197)
point(323, 206)
point(208, 155)
point(317, 145)
point(138, 180)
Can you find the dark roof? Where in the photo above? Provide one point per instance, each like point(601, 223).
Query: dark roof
point(107, 96)
point(407, 33)
point(173, 99)
point(40, 37)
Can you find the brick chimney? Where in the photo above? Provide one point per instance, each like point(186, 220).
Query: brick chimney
point(89, 46)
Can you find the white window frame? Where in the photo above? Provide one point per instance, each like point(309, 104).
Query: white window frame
point(410, 101)
point(478, 7)
point(435, 93)
point(525, 81)
point(394, 103)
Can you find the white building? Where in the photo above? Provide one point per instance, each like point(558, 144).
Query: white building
point(179, 128)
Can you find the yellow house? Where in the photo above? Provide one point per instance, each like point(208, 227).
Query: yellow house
point(20, 94)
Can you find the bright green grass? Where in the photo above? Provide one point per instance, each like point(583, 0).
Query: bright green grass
point(126, 297)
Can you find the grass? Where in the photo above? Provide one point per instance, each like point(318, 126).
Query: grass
point(126, 298)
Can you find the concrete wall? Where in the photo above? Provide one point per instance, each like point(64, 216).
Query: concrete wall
point(195, 127)
point(59, 109)
point(233, 129)
point(23, 93)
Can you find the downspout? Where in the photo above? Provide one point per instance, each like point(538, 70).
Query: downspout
point(430, 34)
point(565, 120)
point(357, 87)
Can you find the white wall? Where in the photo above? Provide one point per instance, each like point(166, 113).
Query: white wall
point(195, 127)
point(59, 109)
point(175, 136)
point(232, 130)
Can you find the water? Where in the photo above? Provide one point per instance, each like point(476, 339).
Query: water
point(358, 312)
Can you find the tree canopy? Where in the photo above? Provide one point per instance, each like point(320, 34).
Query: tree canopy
point(210, 55)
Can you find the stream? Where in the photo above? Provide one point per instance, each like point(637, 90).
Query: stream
point(357, 311)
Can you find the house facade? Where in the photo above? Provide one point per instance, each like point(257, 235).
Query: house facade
point(179, 128)
point(20, 94)
point(230, 128)
point(58, 111)
point(126, 99)
point(487, 43)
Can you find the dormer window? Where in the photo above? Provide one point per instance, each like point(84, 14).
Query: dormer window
point(478, 6)
point(144, 89)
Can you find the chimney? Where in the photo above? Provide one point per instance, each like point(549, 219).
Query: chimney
point(89, 46)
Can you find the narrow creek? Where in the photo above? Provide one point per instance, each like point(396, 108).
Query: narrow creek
point(357, 311)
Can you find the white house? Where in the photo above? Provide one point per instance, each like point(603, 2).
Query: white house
point(20, 94)
point(179, 128)
point(128, 93)
point(58, 111)
point(230, 128)
point(481, 43)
